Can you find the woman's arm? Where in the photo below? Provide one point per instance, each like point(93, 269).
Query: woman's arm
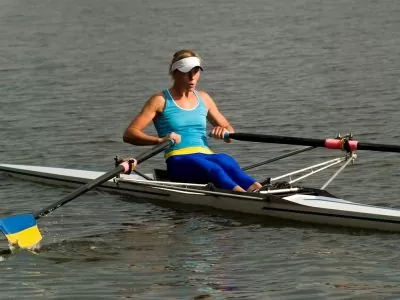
point(216, 118)
point(134, 133)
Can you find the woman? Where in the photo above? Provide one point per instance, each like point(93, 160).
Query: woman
point(181, 113)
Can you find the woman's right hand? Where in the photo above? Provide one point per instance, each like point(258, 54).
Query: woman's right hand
point(172, 136)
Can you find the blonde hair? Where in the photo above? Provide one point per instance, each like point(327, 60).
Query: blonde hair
point(180, 55)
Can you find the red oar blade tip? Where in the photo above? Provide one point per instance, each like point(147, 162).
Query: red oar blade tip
point(341, 144)
point(21, 231)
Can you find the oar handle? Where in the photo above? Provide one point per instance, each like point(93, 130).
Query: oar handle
point(124, 167)
point(349, 145)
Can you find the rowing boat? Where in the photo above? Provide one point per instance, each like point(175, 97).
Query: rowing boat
point(280, 197)
point(288, 201)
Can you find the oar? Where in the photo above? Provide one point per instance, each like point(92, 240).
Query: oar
point(338, 143)
point(22, 230)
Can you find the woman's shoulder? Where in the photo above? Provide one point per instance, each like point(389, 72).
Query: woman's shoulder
point(157, 100)
point(158, 95)
point(203, 93)
point(206, 97)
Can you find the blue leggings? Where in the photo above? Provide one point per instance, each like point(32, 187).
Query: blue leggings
point(220, 169)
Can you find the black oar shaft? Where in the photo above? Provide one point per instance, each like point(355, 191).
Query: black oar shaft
point(153, 151)
point(103, 178)
point(378, 147)
point(277, 139)
point(327, 143)
point(83, 189)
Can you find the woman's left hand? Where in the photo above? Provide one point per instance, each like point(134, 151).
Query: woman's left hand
point(219, 132)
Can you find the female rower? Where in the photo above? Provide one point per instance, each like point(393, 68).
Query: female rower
point(181, 113)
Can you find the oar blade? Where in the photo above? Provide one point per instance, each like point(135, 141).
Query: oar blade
point(21, 230)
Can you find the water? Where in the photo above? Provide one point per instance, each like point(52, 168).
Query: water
point(74, 73)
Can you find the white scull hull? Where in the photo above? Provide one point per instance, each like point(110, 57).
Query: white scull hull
point(308, 205)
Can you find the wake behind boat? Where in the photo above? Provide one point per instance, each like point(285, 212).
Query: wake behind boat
point(279, 197)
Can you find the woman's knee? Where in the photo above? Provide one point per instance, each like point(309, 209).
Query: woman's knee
point(226, 161)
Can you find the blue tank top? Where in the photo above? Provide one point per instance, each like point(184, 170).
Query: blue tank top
point(191, 124)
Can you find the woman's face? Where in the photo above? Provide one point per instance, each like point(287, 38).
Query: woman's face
point(188, 80)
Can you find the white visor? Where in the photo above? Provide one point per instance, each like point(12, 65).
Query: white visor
point(186, 64)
